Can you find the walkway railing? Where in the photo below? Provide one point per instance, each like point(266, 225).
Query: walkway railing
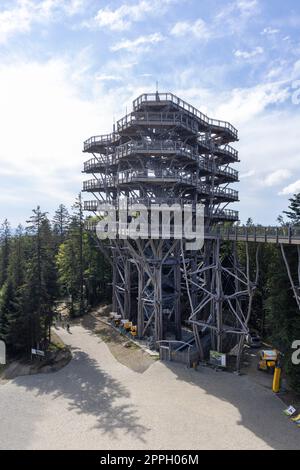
point(93, 164)
point(148, 97)
point(101, 140)
point(227, 214)
point(159, 176)
point(259, 234)
point(99, 185)
point(222, 193)
point(176, 147)
point(135, 175)
point(227, 150)
point(146, 118)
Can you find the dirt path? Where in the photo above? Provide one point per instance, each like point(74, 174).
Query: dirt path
point(96, 402)
point(124, 350)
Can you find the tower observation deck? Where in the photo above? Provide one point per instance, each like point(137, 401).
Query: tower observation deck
point(165, 151)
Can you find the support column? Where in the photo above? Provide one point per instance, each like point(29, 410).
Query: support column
point(127, 293)
point(177, 300)
point(140, 314)
point(219, 296)
point(114, 283)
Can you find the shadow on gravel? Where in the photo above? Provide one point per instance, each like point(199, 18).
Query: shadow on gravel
point(260, 411)
point(89, 390)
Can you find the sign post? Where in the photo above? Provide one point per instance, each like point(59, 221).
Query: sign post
point(37, 352)
point(217, 359)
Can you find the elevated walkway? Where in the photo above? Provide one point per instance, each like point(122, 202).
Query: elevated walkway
point(257, 234)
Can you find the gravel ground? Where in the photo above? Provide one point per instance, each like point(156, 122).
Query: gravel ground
point(96, 402)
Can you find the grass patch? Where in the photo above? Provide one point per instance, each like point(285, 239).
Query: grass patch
point(104, 335)
point(56, 343)
point(131, 345)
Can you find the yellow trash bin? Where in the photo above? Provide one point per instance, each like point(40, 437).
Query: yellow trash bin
point(276, 379)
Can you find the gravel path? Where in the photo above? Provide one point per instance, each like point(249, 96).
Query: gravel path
point(97, 403)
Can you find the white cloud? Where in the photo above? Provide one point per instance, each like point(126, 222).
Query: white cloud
point(268, 141)
point(105, 77)
point(138, 43)
point(17, 19)
point(197, 28)
point(244, 104)
point(247, 174)
point(24, 13)
point(247, 6)
point(121, 18)
point(234, 17)
point(43, 128)
point(292, 188)
point(276, 177)
point(249, 54)
point(230, 19)
point(270, 30)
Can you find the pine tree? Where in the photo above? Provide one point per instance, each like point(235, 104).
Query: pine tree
point(5, 236)
point(78, 227)
point(97, 272)
point(12, 324)
point(70, 262)
point(38, 293)
point(282, 314)
point(17, 261)
point(61, 222)
point(294, 209)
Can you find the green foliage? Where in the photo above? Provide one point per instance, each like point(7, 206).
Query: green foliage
point(89, 270)
point(47, 263)
point(274, 311)
point(294, 210)
point(5, 238)
point(60, 222)
point(42, 265)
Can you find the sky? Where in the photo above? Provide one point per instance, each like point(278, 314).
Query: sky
point(69, 68)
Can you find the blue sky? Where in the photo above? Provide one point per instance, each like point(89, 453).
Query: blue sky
point(68, 68)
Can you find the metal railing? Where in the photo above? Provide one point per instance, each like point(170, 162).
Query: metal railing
point(229, 172)
point(106, 139)
point(98, 185)
point(135, 175)
point(229, 151)
point(94, 163)
point(149, 201)
point(229, 193)
point(157, 118)
point(157, 146)
point(148, 97)
point(217, 192)
point(159, 176)
point(260, 234)
point(225, 214)
point(90, 205)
